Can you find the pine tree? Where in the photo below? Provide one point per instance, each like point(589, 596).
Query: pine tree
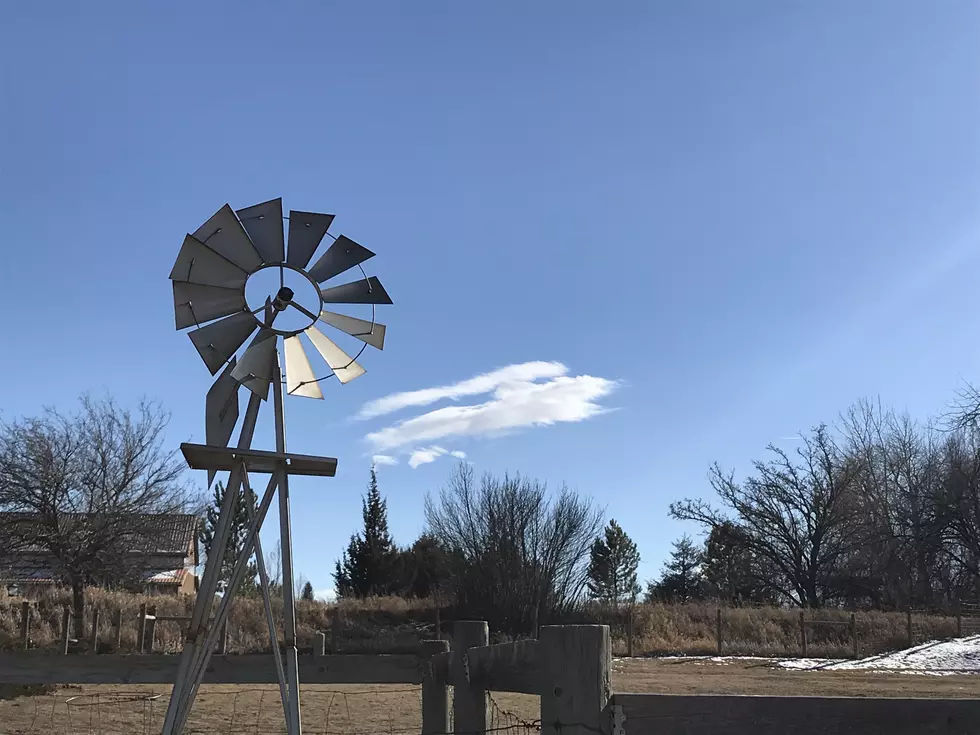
point(612, 566)
point(368, 565)
point(307, 593)
point(236, 538)
point(681, 580)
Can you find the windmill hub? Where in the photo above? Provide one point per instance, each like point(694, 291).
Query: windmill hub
point(290, 291)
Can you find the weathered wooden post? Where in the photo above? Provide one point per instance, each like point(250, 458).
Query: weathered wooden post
point(25, 624)
point(141, 629)
point(719, 631)
point(854, 636)
point(435, 691)
point(908, 626)
point(959, 623)
point(471, 715)
point(576, 661)
point(629, 633)
point(151, 627)
point(117, 630)
point(65, 629)
point(803, 633)
point(335, 631)
point(94, 640)
point(438, 625)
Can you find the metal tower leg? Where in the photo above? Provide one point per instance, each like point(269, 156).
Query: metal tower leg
point(209, 582)
point(204, 648)
point(294, 722)
point(267, 602)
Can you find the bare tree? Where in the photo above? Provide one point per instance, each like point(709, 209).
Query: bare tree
point(520, 557)
point(76, 491)
point(794, 513)
point(900, 560)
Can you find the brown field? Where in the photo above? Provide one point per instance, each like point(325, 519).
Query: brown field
point(369, 710)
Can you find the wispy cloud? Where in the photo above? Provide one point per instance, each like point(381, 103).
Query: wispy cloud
point(384, 459)
point(526, 372)
point(458, 454)
point(425, 456)
point(517, 401)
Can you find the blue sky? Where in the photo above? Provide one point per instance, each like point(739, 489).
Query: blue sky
point(724, 221)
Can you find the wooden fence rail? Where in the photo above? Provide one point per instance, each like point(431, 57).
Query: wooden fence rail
point(568, 667)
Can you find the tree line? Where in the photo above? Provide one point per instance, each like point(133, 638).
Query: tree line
point(879, 511)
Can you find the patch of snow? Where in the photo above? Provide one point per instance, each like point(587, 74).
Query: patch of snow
point(935, 658)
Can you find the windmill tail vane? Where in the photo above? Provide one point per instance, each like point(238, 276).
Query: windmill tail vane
point(235, 254)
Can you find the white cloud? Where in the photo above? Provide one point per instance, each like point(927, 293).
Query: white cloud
point(458, 454)
point(526, 372)
point(515, 403)
point(384, 459)
point(425, 456)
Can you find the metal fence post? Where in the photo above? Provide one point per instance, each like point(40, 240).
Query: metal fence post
point(719, 631)
point(65, 629)
point(25, 624)
point(94, 640)
point(117, 630)
point(803, 633)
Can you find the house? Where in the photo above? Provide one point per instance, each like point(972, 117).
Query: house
point(160, 557)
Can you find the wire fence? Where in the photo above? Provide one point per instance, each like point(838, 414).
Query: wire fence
point(235, 709)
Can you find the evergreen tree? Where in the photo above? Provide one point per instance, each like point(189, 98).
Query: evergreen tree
point(732, 572)
point(307, 593)
point(612, 566)
point(368, 565)
point(681, 580)
point(236, 538)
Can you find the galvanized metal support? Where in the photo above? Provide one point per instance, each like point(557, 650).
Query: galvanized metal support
point(294, 722)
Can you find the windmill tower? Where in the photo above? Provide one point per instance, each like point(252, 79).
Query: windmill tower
point(234, 278)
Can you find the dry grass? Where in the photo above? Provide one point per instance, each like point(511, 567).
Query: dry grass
point(765, 631)
point(396, 625)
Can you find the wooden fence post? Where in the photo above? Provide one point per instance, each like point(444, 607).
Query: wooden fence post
point(629, 633)
point(335, 631)
point(908, 626)
point(438, 624)
point(719, 631)
point(94, 640)
point(854, 636)
point(435, 691)
point(959, 624)
point(117, 629)
point(65, 629)
point(25, 624)
point(803, 633)
point(151, 627)
point(576, 661)
point(141, 629)
point(471, 716)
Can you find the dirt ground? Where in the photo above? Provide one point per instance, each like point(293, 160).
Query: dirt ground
point(386, 710)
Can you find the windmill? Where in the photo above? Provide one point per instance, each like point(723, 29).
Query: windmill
point(220, 269)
